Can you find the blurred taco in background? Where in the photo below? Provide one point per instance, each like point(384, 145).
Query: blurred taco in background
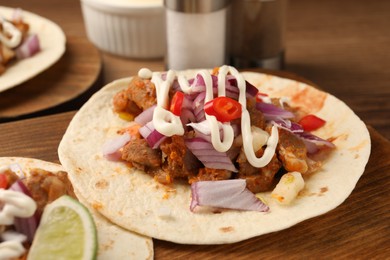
point(28, 187)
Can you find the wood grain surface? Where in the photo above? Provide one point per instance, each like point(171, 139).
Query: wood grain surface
point(74, 75)
point(357, 229)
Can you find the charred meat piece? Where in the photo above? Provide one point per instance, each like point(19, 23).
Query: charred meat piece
point(141, 155)
point(292, 152)
point(46, 186)
point(208, 174)
point(179, 161)
point(257, 117)
point(258, 179)
point(142, 93)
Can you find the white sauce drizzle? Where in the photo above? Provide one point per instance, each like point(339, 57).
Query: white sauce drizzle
point(11, 249)
point(10, 29)
point(164, 120)
point(16, 204)
point(168, 124)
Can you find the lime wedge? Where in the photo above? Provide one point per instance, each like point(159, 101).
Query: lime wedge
point(66, 231)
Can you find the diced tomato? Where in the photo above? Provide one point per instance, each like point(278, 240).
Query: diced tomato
point(177, 103)
point(311, 122)
point(259, 96)
point(223, 108)
point(3, 181)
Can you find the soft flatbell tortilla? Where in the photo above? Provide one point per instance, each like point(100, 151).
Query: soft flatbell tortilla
point(133, 200)
point(113, 241)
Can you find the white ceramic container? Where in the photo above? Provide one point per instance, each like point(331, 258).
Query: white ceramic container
point(128, 28)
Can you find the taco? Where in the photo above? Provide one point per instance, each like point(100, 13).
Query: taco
point(147, 190)
point(45, 182)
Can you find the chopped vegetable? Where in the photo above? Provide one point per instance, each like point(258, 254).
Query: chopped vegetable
point(177, 103)
point(111, 147)
point(223, 108)
point(228, 194)
point(210, 157)
point(271, 111)
point(311, 122)
point(29, 47)
point(288, 188)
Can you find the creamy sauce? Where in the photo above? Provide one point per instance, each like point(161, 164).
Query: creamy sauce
point(11, 249)
point(222, 134)
point(10, 29)
point(16, 204)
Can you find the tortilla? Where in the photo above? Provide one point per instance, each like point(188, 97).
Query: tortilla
point(133, 200)
point(114, 242)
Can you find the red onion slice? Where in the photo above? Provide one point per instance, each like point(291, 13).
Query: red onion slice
point(310, 139)
point(152, 136)
point(210, 157)
point(29, 47)
point(228, 194)
point(145, 116)
point(111, 147)
point(26, 226)
point(271, 111)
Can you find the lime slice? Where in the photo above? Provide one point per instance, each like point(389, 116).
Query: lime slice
point(66, 231)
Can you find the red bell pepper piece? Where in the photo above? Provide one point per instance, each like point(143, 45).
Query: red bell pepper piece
point(311, 122)
point(223, 108)
point(177, 103)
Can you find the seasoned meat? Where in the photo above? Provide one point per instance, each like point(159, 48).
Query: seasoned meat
point(142, 93)
point(122, 103)
point(258, 179)
point(292, 152)
point(179, 161)
point(208, 174)
point(257, 117)
point(46, 186)
point(10, 176)
point(139, 153)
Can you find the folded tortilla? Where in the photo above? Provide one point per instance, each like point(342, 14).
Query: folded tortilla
point(114, 241)
point(135, 201)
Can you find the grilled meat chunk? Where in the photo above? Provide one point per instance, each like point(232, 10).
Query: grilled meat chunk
point(258, 179)
point(292, 152)
point(141, 155)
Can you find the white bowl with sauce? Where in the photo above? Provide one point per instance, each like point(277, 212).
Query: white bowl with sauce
point(127, 28)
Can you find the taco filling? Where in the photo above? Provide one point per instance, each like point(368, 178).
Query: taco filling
point(214, 127)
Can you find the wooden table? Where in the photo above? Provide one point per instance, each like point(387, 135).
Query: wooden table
point(341, 47)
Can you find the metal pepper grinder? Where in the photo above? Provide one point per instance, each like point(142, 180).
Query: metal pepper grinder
point(257, 33)
point(196, 33)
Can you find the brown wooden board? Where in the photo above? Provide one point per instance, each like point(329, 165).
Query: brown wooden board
point(69, 78)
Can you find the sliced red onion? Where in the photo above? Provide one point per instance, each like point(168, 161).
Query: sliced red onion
point(288, 125)
point(271, 111)
point(26, 226)
point(311, 139)
point(251, 90)
point(145, 116)
point(17, 169)
point(29, 47)
point(198, 106)
point(111, 147)
point(152, 136)
point(187, 116)
point(210, 157)
point(228, 194)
